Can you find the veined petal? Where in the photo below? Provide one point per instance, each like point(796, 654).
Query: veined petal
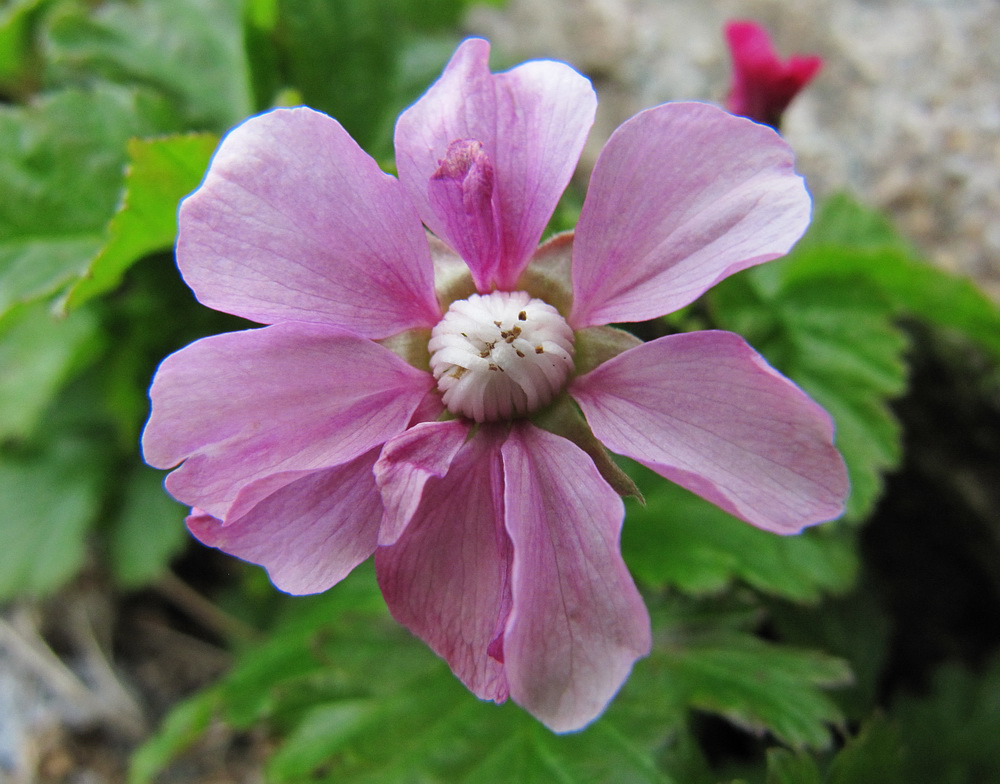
point(578, 622)
point(295, 222)
point(242, 406)
point(407, 462)
point(310, 533)
point(447, 576)
point(706, 411)
point(532, 122)
point(682, 196)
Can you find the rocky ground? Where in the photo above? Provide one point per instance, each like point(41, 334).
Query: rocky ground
point(905, 113)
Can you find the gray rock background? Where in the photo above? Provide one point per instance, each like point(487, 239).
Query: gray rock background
point(905, 114)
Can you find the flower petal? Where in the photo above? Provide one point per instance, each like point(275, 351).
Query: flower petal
point(446, 578)
point(682, 196)
point(309, 534)
point(295, 222)
point(461, 195)
point(707, 411)
point(407, 462)
point(578, 623)
point(241, 406)
point(532, 122)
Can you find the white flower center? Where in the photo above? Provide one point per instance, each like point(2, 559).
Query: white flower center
point(500, 355)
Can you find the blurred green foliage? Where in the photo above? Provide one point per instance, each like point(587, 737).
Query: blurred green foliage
point(678, 540)
point(112, 112)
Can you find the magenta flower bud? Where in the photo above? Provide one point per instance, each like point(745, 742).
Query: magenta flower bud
point(762, 85)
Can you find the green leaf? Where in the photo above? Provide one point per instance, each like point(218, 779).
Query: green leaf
point(835, 336)
point(18, 58)
point(259, 20)
point(341, 58)
point(182, 727)
point(61, 162)
point(160, 173)
point(49, 500)
point(337, 672)
point(849, 239)
point(148, 531)
point(532, 755)
point(322, 732)
point(911, 286)
point(787, 767)
point(361, 61)
point(678, 539)
point(261, 13)
point(825, 315)
point(289, 657)
point(189, 50)
point(441, 733)
point(349, 695)
point(874, 754)
point(38, 353)
point(756, 685)
point(949, 736)
point(853, 627)
point(842, 222)
point(434, 16)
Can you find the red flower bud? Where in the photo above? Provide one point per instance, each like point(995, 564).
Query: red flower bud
point(763, 86)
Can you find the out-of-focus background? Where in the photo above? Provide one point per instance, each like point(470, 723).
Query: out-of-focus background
point(865, 650)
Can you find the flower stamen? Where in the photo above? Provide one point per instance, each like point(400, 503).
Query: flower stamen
point(500, 355)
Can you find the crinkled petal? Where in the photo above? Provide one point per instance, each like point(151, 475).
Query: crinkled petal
point(461, 195)
point(447, 577)
point(407, 462)
point(295, 222)
point(242, 406)
point(682, 196)
point(706, 411)
point(532, 122)
point(310, 533)
point(578, 622)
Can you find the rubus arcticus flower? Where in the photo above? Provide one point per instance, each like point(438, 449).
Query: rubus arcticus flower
point(443, 399)
point(762, 84)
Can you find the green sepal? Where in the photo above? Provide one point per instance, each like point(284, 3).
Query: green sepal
point(548, 276)
point(596, 345)
point(563, 418)
point(452, 278)
point(411, 346)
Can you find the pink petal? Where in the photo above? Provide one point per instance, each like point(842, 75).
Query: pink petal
point(242, 406)
point(407, 462)
point(578, 623)
point(682, 196)
point(294, 222)
point(707, 411)
point(461, 195)
point(446, 578)
point(309, 534)
point(532, 122)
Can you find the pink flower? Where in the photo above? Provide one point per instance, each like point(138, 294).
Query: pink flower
point(763, 86)
point(412, 396)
